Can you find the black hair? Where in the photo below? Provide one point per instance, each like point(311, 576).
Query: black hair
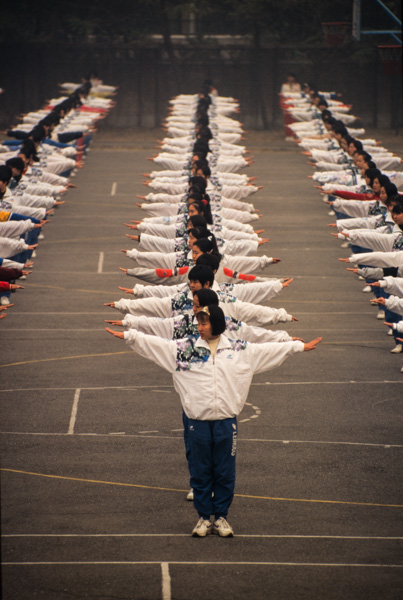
point(203, 206)
point(206, 296)
point(372, 174)
point(201, 273)
point(5, 173)
point(16, 163)
point(357, 144)
point(390, 189)
point(199, 232)
point(211, 260)
point(197, 180)
point(216, 318)
point(206, 245)
point(383, 180)
point(198, 221)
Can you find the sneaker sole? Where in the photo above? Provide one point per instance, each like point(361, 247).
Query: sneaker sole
point(230, 534)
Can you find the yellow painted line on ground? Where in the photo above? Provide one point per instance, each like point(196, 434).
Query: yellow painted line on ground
point(58, 287)
point(28, 362)
point(164, 489)
point(86, 239)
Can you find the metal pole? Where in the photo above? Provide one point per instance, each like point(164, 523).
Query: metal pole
point(357, 20)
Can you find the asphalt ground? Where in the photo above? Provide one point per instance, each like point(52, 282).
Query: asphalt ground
point(93, 468)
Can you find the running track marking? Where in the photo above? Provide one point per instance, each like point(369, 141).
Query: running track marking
point(113, 189)
point(100, 262)
point(221, 564)
point(164, 489)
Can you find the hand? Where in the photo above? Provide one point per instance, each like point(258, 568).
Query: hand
point(138, 204)
point(125, 251)
point(3, 315)
point(263, 241)
point(132, 237)
point(352, 270)
point(312, 345)
point(346, 260)
point(124, 270)
point(14, 286)
point(32, 247)
point(25, 273)
point(29, 264)
point(115, 323)
point(127, 290)
point(294, 318)
point(388, 324)
point(378, 301)
point(118, 334)
point(141, 198)
point(111, 304)
point(399, 339)
point(288, 281)
point(131, 226)
point(375, 284)
point(332, 225)
point(259, 231)
point(276, 260)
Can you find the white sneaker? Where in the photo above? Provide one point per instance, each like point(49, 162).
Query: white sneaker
point(401, 370)
point(397, 349)
point(4, 301)
point(345, 245)
point(389, 331)
point(367, 289)
point(41, 236)
point(190, 495)
point(361, 278)
point(381, 314)
point(203, 528)
point(223, 528)
point(331, 213)
point(34, 255)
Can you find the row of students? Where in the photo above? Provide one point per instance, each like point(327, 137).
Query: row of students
point(359, 179)
point(46, 148)
point(203, 322)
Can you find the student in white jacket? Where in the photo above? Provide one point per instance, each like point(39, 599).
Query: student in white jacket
point(212, 376)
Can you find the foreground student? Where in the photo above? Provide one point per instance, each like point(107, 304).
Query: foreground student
point(212, 375)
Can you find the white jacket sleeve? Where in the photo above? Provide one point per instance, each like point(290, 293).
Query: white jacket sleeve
point(157, 291)
point(359, 223)
point(257, 335)
point(154, 307)
point(378, 259)
point(393, 285)
point(11, 246)
point(352, 208)
point(14, 229)
point(253, 314)
point(153, 259)
point(271, 355)
point(243, 247)
point(150, 325)
point(394, 304)
point(379, 242)
point(158, 350)
point(256, 292)
point(246, 264)
point(152, 243)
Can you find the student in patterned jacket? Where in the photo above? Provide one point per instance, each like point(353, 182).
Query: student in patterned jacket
point(212, 375)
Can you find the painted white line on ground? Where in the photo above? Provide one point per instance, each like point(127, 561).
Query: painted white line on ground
point(166, 581)
point(145, 387)
point(181, 535)
point(113, 190)
point(201, 563)
point(73, 415)
point(100, 262)
point(144, 435)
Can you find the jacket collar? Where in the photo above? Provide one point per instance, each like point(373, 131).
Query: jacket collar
point(222, 344)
